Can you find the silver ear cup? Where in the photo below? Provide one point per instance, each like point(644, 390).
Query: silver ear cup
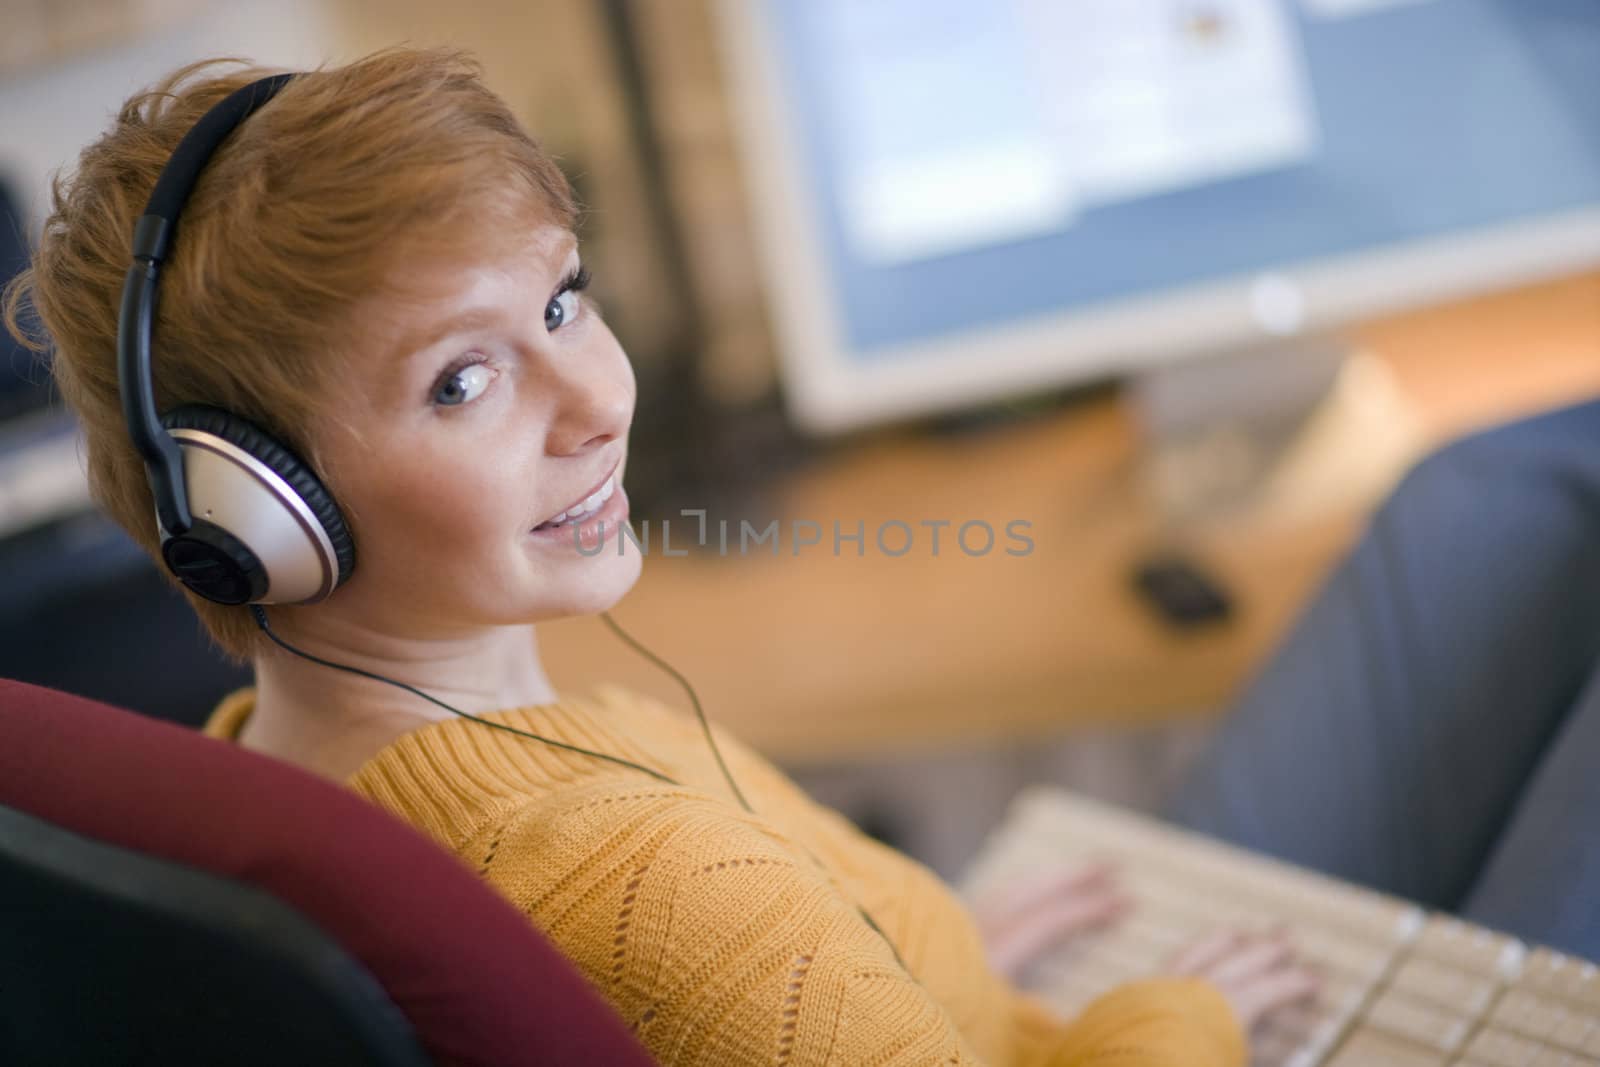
point(230, 488)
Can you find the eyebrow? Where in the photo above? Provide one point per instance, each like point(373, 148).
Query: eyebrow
point(473, 319)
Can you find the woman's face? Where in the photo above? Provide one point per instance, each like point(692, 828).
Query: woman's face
point(477, 412)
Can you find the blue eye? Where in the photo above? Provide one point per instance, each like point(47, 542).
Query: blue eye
point(560, 310)
point(563, 307)
point(463, 386)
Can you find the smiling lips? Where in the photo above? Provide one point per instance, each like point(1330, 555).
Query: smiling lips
point(582, 509)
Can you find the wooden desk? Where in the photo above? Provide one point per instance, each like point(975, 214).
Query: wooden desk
point(821, 657)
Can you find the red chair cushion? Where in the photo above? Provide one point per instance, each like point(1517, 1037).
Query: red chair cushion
point(479, 983)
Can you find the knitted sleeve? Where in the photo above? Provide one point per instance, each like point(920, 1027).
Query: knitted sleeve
point(719, 942)
point(1150, 1023)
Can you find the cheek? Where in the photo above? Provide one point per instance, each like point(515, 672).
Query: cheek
point(441, 509)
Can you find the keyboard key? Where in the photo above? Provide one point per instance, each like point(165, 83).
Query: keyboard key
point(1342, 995)
point(1449, 940)
point(1423, 1023)
point(1444, 985)
point(1528, 1014)
point(1363, 961)
point(1573, 1031)
point(1560, 975)
point(1372, 1048)
point(1298, 1035)
point(1499, 1048)
point(1557, 1058)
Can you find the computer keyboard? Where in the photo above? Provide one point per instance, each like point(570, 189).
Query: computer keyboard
point(1402, 986)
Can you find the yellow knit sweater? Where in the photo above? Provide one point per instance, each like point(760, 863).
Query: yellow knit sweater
point(723, 937)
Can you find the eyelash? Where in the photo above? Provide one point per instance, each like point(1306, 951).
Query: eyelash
point(576, 281)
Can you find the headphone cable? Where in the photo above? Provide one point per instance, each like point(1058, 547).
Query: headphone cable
point(699, 712)
point(261, 621)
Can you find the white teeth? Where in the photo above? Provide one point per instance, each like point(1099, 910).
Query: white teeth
point(590, 504)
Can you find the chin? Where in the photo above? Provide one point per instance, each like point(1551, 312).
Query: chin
point(601, 583)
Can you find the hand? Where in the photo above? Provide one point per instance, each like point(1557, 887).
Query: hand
point(1256, 972)
point(1023, 920)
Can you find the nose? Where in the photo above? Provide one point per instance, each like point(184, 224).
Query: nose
point(594, 401)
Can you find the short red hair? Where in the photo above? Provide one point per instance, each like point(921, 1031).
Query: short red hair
point(305, 211)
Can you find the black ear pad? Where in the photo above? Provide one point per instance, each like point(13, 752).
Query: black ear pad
point(216, 565)
point(284, 463)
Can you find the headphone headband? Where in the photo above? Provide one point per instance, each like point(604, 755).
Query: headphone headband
point(242, 519)
point(152, 235)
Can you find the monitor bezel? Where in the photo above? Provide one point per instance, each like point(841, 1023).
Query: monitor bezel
point(827, 393)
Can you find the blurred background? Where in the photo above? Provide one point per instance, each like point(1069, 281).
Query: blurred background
point(1183, 285)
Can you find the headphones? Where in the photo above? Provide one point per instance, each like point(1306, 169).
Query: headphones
point(242, 519)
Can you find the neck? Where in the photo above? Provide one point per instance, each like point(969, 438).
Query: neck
point(331, 721)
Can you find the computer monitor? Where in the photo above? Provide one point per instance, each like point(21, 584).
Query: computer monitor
point(959, 202)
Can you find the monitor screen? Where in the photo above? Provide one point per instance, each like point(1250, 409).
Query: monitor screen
point(959, 200)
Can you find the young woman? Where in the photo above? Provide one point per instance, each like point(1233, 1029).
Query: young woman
point(379, 267)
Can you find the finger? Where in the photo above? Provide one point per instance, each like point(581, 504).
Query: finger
point(1250, 959)
point(1027, 894)
point(1202, 953)
point(1263, 996)
point(1026, 936)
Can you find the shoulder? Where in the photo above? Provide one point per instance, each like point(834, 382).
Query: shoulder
point(701, 867)
point(701, 925)
point(644, 883)
point(610, 825)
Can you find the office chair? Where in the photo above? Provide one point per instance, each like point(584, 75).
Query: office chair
point(167, 898)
